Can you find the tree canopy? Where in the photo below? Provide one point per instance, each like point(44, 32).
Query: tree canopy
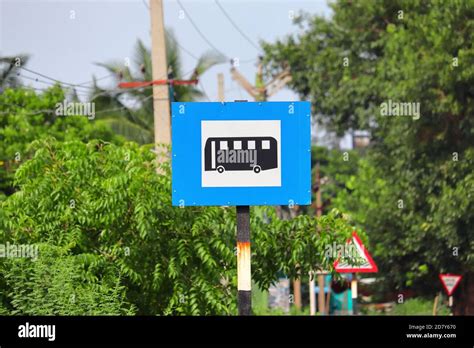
point(414, 190)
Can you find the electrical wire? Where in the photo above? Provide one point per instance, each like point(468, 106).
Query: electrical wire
point(98, 79)
point(200, 32)
point(236, 26)
point(53, 79)
point(35, 79)
point(182, 47)
point(34, 112)
point(204, 91)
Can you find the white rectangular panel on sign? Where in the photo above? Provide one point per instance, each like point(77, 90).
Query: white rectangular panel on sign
point(241, 153)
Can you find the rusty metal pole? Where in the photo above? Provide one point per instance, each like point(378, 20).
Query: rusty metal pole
point(244, 283)
point(244, 275)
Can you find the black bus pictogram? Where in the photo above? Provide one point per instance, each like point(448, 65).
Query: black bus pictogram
point(240, 153)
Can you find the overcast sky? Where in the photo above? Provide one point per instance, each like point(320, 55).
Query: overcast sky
point(65, 38)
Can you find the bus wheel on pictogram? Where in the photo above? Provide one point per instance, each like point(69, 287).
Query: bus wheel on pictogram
point(257, 169)
point(220, 169)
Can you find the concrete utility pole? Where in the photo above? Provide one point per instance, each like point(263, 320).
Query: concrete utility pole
point(220, 87)
point(161, 107)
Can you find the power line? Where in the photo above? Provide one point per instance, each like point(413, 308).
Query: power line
point(236, 26)
point(98, 79)
point(80, 85)
point(34, 112)
point(48, 83)
point(35, 79)
point(246, 61)
point(176, 41)
point(204, 91)
point(200, 32)
point(93, 96)
point(53, 79)
point(185, 49)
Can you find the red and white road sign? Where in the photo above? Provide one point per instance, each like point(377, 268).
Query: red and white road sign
point(368, 266)
point(450, 282)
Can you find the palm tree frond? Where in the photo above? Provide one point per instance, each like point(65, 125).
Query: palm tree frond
point(207, 61)
point(130, 130)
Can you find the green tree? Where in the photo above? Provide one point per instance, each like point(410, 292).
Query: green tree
point(336, 167)
point(26, 116)
point(413, 192)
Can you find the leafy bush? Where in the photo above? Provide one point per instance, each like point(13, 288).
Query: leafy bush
point(57, 283)
point(110, 212)
point(27, 116)
point(418, 306)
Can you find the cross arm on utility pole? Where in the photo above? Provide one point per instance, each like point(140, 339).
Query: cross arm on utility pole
point(278, 83)
point(243, 82)
point(261, 92)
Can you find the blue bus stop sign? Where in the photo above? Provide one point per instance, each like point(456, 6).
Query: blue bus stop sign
point(241, 153)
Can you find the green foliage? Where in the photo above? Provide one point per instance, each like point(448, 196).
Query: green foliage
point(416, 242)
point(260, 305)
point(418, 306)
point(413, 193)
point(57, 283)
point(294, 246)
point(336, 168)
point(412, 306)
point(26, 116)
point(109, 209)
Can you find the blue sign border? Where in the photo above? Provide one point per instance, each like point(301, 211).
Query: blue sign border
point(295, 153)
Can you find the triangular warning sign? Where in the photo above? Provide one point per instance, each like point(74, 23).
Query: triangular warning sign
point(450, 282)
point(368, 265)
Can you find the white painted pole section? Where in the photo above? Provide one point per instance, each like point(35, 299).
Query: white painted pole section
point(243, 266)
point(312, 295)
point(354, 288)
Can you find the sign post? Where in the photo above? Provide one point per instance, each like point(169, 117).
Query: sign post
point(244, 282)
point(241, 154)
point(354, 293)
point(450, 283)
